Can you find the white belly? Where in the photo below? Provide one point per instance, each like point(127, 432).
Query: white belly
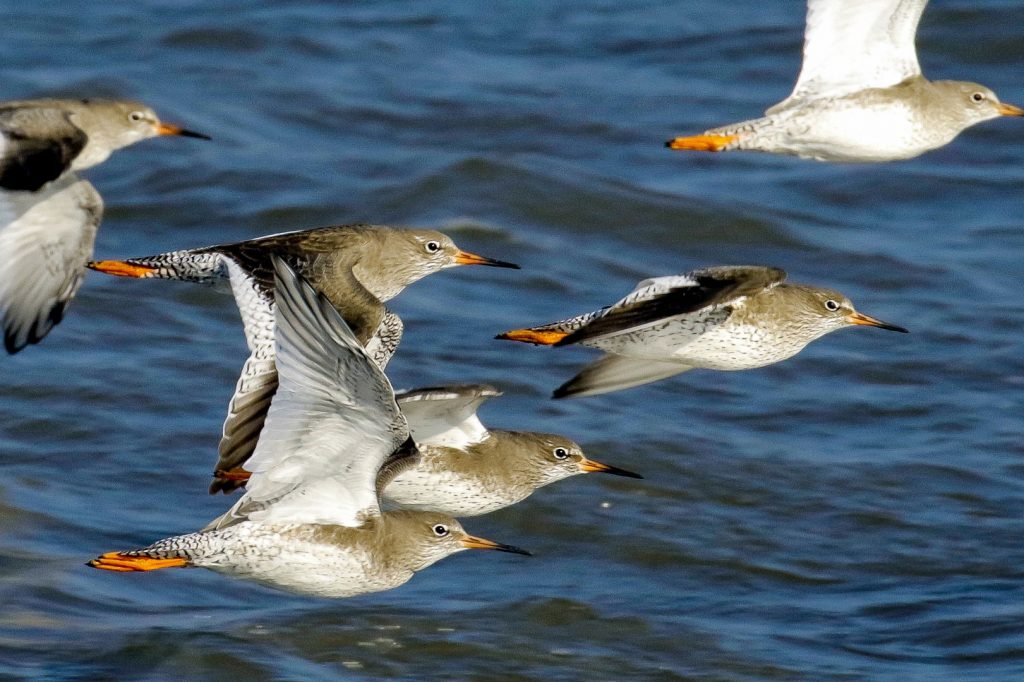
point(716, 346)
point(296, 563)
point(448, 493)
point(837, 131)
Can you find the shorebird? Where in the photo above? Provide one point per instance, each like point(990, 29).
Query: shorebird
point(726, 317)
point(310, 520)
point(860, 96)
point(48, 215)
point(358, 268)
point(466, 469)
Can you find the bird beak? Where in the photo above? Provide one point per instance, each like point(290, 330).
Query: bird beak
point(590, 466)
point(465, 258)
point(1009, 109)
point(473, 542)
point(860, 318)
point(171, 129)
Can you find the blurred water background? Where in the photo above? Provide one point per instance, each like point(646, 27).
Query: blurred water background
point(853, 513)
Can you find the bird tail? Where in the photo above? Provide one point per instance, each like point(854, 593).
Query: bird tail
point(189, 265)
point(614, 373)
point(174, 552)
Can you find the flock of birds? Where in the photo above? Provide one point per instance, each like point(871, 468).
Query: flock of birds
point(350, 487)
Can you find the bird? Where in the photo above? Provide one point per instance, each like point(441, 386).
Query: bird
point(48, 214)
point(464, 468)
point(724, 317)
point(358, 267)
point(860, 96)
point(310, 521)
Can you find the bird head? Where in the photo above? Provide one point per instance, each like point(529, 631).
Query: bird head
point(819, 311)
point(427, 537)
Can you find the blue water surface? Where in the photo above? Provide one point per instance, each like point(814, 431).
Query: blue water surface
point(853, 513)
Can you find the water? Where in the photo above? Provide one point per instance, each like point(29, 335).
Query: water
point(852, 513)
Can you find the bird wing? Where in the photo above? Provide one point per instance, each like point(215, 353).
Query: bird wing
point(258, 379)
point(617, 372)
point(46, 237)
point(310, 256)
point(37, 146)
point(850, 46)
point(662, 297)
point(332, 425)
point(446, 415)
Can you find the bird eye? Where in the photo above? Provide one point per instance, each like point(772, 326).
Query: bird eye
point(831, 305)
point(136, 116)
point(440, 530)
point(561, 453)
point(432, 246)
point(978, 97)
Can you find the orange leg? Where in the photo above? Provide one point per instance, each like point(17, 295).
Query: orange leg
point(540, 336)
point(115, 561)
point(236, 474)
point(120, 268)
point(702, 143)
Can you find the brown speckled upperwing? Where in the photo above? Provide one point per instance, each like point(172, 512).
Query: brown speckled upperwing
point(38, 146)
point(664, 297)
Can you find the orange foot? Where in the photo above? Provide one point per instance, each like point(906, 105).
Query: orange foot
point(120, 268)
point(115, 561)
point(702, 143)
point(236, 474)
point(539, 336)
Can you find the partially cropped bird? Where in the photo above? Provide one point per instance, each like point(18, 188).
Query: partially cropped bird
point(860, 96)
point(357, 267)
point(48, 215)
point(310, 520)
point(726, 317)
point(466, 469)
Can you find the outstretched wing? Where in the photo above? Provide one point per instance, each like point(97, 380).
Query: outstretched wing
point(332, 424)
point(446, 415)
point(257, 382)
point(46, 237)
point(850, 46)
point(37, 146)
point(663, 297)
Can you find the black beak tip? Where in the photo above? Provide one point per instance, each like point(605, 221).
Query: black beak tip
point(192, 133)
point(512, 549)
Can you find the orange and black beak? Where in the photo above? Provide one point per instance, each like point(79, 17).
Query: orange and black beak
point(466, 258)
point(590, 466)
point(860, 318)
point(171, 129)
point(1009, 109)
point(473, 542)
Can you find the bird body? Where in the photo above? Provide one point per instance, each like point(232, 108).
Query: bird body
point(724, 318)
point(322, 560)
point(860, 96)
point(357, 268)
point(48, 215)
point(310, 520)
